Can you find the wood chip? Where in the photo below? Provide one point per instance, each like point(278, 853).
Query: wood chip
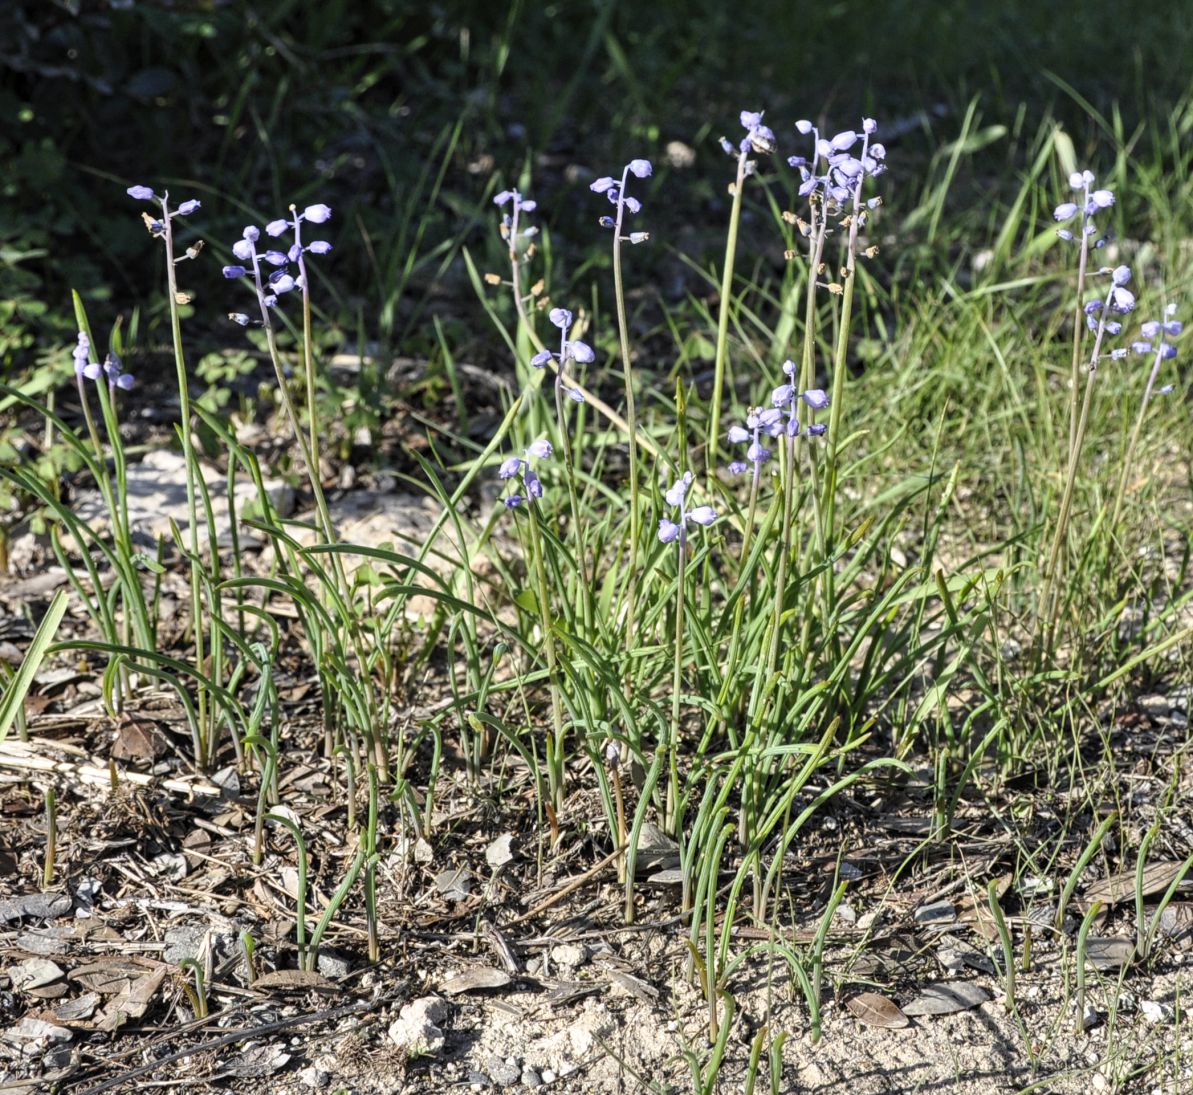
point(876, 1010)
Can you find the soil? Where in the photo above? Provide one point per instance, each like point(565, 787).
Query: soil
point(505, 960)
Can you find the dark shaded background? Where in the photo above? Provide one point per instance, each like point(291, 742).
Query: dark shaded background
point(407, 116)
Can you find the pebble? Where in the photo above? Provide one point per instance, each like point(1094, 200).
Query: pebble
point(1155, 1013)
point(1089, 1018)
point(416, 1030)
point(503, 1072)
point(548, 1076)
point(569, 956)
point(333, 965)
point(314, 1077)
point(531, 1079)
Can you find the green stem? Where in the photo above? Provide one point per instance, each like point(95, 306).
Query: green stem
point(188, 455)
point(1050, 600)
point(722, 353)
point(555, 739)
point(631, 417)
point(669, 814)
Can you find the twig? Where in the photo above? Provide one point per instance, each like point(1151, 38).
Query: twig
point(563, 891)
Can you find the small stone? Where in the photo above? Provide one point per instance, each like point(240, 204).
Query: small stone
point(548, 1076)
point(1154, 1012)
point(952, 960)
point(569, 956)
point(332, 964)
point(504, 1072)
point(531, 1079)
point(57, 1057)
point(314, 1077)
point(868, 920)
point(416, 1030)
point(846, 914)
point(1098, 1082)
point(1089, 1018)
point(183, 942)
point(478, 1081)
point(35, 1030)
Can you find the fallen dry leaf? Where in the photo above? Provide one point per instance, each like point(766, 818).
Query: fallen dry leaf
point(1157, 877)
point(292, 981)
point(947, 997)
point(477, 979)
point(876, 1010)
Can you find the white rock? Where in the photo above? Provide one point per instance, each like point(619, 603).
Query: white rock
point(416, 1028)
point(569, 956)
point(314, 1077)
point(1154, 1012)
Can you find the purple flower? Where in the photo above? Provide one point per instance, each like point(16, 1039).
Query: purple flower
point(815, 398)
point(251, 233)
point(614, 191)
point(1155, 333)
point(560, 317)
point(580, 352)
point(317, 214)
point(1091, 203)
point(540, 359)
point(274, 258)
point(239, 317)
point(117, 377)
point(234, 271)
point(672, 531)
point(1121, 299)
point(188, 207)
point(759, 423)
point(515, 466)
point(759, 138)
point(834, 169)
point(81, 353)
point(141, 193)
point(319, 247)
point(276, 228)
